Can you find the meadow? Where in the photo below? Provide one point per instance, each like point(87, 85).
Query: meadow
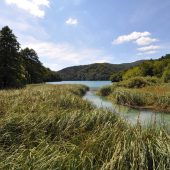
point(52, 127)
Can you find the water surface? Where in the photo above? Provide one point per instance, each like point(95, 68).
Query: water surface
point(145, 117)
point(93, 85)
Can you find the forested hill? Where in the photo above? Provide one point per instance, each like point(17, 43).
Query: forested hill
point(97, 71)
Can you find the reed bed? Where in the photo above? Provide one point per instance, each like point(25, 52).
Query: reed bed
point(153, 97)
point(52, 127)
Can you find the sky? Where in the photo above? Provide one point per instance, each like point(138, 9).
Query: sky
point(77, 32)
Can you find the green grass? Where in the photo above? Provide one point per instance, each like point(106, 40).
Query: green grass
point(140, 92)
point(152, 97)
point(52, 127)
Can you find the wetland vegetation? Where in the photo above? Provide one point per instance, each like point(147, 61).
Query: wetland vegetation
point(52, 127)
point(45, 126)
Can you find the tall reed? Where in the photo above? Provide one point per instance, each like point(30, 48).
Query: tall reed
point(52, 127)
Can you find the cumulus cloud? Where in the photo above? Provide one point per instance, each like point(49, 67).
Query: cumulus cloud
point(145, 41)
point(31, 6)
point(141, 39)
point(72, 21)
point(130, 37)
point(149, 48)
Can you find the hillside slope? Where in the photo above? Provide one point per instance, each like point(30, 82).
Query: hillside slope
point(97, 71)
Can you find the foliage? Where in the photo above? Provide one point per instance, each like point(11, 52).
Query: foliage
point(36, 72)
point(105, 91)
point(147, 68)
point(18, 68)
point(51, 127)
point(134, 72)
point(33, 66)
point(12, 72)
point(139, 82)
point(155, 68)
point(116, 77)
point(98, 71)
point(166, 74)
point(153, 97)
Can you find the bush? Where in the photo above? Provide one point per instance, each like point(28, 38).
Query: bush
point(116, 77)
point(166, 76)
point(129, 97)
point(105, 91)
point(139, 82)
point(134, 72)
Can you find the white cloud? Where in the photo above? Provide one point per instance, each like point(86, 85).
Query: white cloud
point(31, 6)
point(147, 52)
point(130, 37)
point(145, 41)
point(149, 48)
point(72, 21)
point(141, 39)
point(151, 52)
point(59, 55)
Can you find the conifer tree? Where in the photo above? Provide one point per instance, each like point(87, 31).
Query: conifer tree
point(12, 72)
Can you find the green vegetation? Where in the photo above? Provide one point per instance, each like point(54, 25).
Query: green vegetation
point(140, 85)
point(20, 67)
point(12, 72)
point(155, 97)
point(105, 91)
point(154, 68)
point(139, 82)
point(140, 92)
point(52, 127)
point(96, 71)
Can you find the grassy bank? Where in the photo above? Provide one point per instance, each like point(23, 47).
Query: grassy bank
point(138, 92)
point(51, 127)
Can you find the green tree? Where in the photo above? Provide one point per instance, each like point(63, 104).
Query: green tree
point(147, 68)
point(116, 77)
point(12, 72)
point(34, 68)
point(166, 74)
point(134, 72)
point(35, 71)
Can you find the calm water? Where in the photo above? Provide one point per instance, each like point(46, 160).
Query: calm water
point(145, 117)
point(94, 85)
point(132, 115)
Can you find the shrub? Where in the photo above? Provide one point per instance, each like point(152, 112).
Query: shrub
point(134, 72)
point(166, 76)
point(139, 82)
point(116, 77)
point(105, 91)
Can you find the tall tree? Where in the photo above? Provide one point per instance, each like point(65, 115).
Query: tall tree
point(34, 68)
point(12, 72)
point(35, 71)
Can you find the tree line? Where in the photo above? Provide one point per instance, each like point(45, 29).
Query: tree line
point(19, 67)
point(159, 68)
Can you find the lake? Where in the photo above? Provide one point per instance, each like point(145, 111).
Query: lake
point(145, 117)
point(93, 85)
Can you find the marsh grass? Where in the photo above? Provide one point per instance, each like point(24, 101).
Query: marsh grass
point(153, 97)
point(52, 127)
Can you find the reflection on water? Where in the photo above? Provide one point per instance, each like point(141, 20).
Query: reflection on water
point(145, 117)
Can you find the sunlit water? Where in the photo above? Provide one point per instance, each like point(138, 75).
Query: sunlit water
point(133, 116)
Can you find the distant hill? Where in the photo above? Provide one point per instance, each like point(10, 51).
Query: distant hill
point(97, 71)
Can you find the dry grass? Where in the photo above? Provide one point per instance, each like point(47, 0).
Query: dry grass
point(152, 97)
point(51, 127)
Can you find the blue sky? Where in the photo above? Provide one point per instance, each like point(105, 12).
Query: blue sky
point(76, 32)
